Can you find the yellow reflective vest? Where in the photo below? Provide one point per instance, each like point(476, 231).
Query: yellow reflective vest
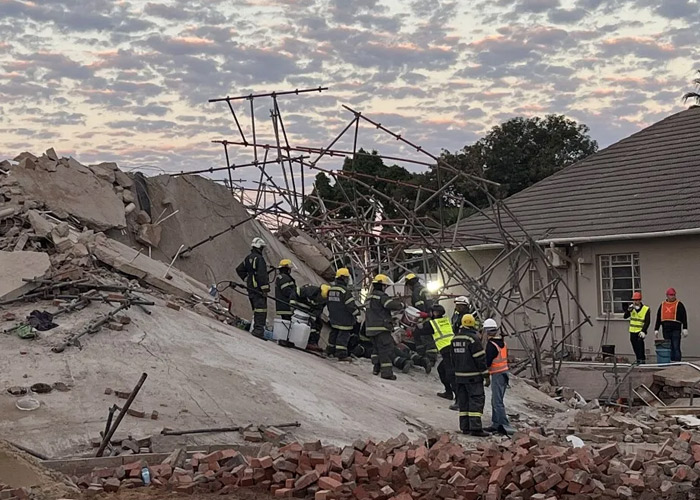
point(637, 319)
point(442, 332)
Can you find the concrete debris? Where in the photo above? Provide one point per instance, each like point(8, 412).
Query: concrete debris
point(150, 235)
point(530, 466)
point(14, 266)
point(41, 226)
point(315, 255)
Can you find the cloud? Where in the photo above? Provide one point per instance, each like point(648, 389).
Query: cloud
point(536, 6)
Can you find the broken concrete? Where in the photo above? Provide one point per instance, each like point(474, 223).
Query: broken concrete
point(309, 250)
point(17, 265)
point(41, 226)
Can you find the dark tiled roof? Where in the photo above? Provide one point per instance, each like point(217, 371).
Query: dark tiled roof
point(646, 183)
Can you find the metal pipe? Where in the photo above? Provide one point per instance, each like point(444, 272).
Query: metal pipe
point(124, 410)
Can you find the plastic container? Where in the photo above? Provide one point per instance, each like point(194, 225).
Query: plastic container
point(663, 353)
point(410, 317)
point(299, 334)
point(300, 317)
point(146, 476)
point(281, 328)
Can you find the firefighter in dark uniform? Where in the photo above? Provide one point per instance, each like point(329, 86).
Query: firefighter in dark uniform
point(379, 326)
point(284, 290)
point(471, 374)
point(312, 299)
point(440, 328)
point(421, 300)
point(361, 346)
point(253, 270)
point(342, 315)
point(463, 306)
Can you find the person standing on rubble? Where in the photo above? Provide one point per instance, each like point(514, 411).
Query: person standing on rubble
point(440, 329)
point(673, 320)
point(253, 270)
point(284, 290)
point(312, 299)
point(462, 306)
point(421, 300)
point(342, 315)
point(640, 319)
point(379, 325)
point(471, 374)
point(497, 363)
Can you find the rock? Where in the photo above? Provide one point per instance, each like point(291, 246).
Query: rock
point(128, 196)
point(76, 165)
point(17, 265)
point(104, 172)
point(142, 217)
point(62, 230)
point(41, 226)
point(129, 208)
point(24, 155)
point(47, 164)
point(123, 179)
point(149, 235)
point(51, 154)
point(27, 163)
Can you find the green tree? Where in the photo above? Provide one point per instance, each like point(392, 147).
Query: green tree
point(694, 95)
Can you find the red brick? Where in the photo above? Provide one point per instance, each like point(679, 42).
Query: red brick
point(306, 480)
point(322, 495)
point(549, 483)
point(284, 492)
point(289, 483)
point(399, 459)
point(327, 483)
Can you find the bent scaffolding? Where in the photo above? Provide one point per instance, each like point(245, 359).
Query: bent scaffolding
point(368, 241)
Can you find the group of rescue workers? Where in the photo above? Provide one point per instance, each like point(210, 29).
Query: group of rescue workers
point(465, 366)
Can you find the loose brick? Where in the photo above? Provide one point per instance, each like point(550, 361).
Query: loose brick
point(328, 483)
point(306, 480)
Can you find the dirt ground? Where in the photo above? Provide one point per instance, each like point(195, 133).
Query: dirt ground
point(148, 494)
point(19, 470)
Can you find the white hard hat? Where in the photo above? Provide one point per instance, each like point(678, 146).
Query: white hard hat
point(463, 299)
point(490, 324)
point(258, 243)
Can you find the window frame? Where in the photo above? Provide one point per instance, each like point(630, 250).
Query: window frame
point(636, 278)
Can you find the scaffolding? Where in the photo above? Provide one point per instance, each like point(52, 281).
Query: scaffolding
point(530, 300)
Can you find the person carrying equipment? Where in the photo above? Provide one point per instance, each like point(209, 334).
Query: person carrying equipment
point(471, 374)
point(379, 325)
point(284, 290)
point(253, 270)
point(312, 299)
point(342, 314)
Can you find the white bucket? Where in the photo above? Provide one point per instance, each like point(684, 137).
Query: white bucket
point(281, 329)
point(410, 317)
point(299, 334)
point(301, 317)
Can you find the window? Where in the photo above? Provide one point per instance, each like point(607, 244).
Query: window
point(619, 279)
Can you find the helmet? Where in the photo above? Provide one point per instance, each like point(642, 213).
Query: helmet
point(258, 243)
point(285, 263)
point(343, 272)
point(464, 300)
point(324, 290)
point(490, 323)
point(468, 321)
point(410, 277)
point(671, 291)
point(382, 279)
point(637, 296)
point(438, 309)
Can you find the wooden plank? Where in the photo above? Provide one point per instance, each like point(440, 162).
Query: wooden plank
point(679, 410)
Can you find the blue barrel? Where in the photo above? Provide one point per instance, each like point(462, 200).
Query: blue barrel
point(663, 352)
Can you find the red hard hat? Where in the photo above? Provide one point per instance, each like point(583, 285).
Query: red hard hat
point(671, 291)
point(637, 296)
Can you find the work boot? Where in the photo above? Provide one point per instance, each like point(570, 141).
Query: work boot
point(446, 395)
point(347, 359)
point(375, 370)
point(454, 407)
point(407, 366)
point(491, 429)
point(389, 377)
point(479, 433)
point(314, 348)
point(428, 367)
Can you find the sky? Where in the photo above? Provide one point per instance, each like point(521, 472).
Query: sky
point(129, 81)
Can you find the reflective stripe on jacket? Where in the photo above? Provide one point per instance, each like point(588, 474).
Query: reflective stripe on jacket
point(500, 362)
point(637, 319)
point(442, 332)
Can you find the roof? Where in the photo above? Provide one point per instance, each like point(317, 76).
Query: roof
point(646, 183)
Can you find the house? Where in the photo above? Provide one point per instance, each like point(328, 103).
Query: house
point(625, 219)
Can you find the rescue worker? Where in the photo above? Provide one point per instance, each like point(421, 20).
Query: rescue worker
point(673, 320)
point(342, 315)
point(253, 270)
point(441, 330)
point(284, 290)
point(640, 318)
point(421, 300)
point(462, 306)
point(379, 326)
point(497, 363)
point(312, 299)
point(471, 374)
point(362, 347)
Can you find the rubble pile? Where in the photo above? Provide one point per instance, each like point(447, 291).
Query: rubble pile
point(10, 493)
point(530, 466)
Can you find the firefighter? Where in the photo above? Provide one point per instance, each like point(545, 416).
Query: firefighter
point(497, 362)
point(342, 314)
point(640, 318)
point(462, 306)
point(284, 290)
point(253, 270)
point(312, 299)
point(440, 329)
point(379, 325)
point(673, 320)
point(421, 300)
point(403, 357)
point(471, 374)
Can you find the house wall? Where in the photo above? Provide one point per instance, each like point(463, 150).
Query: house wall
point(664, 262)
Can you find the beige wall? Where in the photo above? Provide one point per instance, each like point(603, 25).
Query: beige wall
point(664, 262)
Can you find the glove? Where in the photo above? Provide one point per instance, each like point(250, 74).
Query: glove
point(423, 315)
point(642, 335)
point(631, 306)
point(656, 334)
point(487, 381)
point(685, 332)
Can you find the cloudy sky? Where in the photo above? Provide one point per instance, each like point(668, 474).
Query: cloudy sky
point(129, 80)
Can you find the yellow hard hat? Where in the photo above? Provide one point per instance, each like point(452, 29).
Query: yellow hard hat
point(410, 276)
point(343, 272)
point(468, 321)
point(324, 290)
point(285, 263)
point(382, 278)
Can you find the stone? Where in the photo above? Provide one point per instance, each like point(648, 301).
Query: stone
point(104, 172)
point(41, 226)
point(51, 154)
point(129, 208)
point(142, 217)
point(111, 485)
point(123, 179)
point(14, 266)
point(149, 234)
point(128, 196)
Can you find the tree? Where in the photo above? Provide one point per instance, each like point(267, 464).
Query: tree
point(694, 95)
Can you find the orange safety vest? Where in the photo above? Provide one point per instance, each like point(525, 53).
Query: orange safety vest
point(668, 311)
point(500, 362)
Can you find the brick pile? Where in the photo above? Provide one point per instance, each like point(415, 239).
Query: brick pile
point(10, 493)
point(530, 466)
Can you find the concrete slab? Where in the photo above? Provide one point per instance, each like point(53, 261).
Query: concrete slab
point(17, 265)
point(678, 376)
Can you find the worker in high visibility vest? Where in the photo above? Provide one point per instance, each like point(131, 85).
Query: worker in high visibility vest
point(673, 320)
point(640, 319)
point(440, 329)
point(497, 362)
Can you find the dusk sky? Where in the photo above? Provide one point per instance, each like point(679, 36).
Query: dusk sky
point(129, 81)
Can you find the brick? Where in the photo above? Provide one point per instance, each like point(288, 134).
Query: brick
point(327, 483)
point(289, 483)
point(609, 451)
point(111, 485)
point(306, 480)
point(347, 457)
point(108, 391)
point(549, 483)
point(154, 415)
point(135, 412)
point(273, 433)
point(322, 495)
point(252, 436)
point(115, 326)
point(172, 305)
